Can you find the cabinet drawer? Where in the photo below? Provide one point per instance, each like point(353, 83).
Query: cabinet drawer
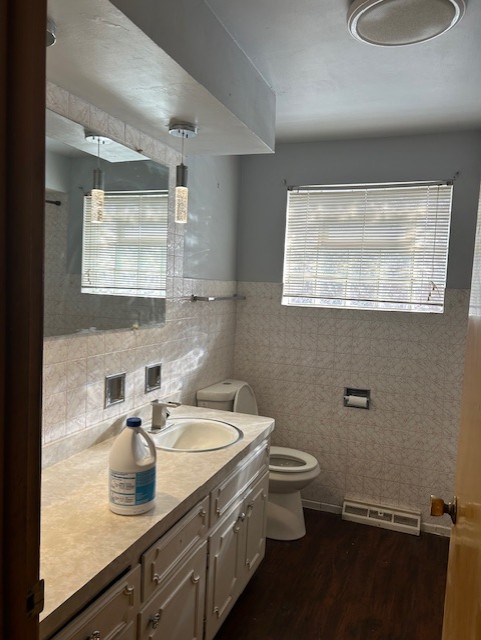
point(171, 548)
point(111, 616)
point(249, 470)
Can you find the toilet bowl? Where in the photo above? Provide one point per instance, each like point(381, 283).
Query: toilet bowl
point(290, 470)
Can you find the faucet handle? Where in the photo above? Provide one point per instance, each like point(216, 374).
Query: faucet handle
point(169, 403)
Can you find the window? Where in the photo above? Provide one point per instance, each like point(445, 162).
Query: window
point(373, 246)
point(126, 254)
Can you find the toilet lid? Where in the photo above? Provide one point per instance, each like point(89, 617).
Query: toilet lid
point(287, 460)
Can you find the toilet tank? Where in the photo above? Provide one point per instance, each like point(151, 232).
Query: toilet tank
point(229, 395)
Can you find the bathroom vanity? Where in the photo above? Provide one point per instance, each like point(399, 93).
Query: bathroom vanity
point(174, 572)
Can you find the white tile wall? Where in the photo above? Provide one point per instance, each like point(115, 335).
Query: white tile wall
point(299, 361)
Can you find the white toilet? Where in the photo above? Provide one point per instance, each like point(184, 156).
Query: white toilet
point(290, 470)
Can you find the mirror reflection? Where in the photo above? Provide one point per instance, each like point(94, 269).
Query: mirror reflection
point(107, 274)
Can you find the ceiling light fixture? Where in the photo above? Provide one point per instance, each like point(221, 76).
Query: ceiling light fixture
point(394, 23)
point(51, 32)
point(97, 193)
point(183, 130)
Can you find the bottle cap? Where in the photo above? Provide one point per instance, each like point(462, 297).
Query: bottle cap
point(134, 422)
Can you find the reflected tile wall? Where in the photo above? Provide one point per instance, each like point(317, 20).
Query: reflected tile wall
point(299, 361)
point(195, 347)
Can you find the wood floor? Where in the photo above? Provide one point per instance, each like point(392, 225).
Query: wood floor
point(344, 581)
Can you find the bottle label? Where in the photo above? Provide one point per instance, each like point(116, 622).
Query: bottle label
point(131, 489)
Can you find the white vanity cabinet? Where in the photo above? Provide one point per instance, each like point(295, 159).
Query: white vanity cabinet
point(184, 584)
point(236, 547)
point(113, 616)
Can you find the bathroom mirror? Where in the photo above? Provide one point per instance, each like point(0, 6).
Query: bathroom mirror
point(129, 178)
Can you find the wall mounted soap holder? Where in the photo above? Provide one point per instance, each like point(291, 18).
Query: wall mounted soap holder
point(114, 389)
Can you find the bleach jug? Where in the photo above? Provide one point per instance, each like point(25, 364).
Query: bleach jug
point(132, 471)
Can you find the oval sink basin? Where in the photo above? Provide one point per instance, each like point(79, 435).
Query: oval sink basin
point(196, 434)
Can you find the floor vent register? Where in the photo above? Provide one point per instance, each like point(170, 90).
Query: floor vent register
point(382, 516)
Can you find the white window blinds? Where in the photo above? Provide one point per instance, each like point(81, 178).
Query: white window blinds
point(126, 254)
point(368, 246)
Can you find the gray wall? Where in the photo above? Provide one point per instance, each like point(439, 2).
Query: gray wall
point(57, 172)
point(429, 157)
point(210, 235)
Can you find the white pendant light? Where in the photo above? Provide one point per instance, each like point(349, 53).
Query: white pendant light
point(394, 23)
point(97, 193)
point(51, 38)
point(183, 130)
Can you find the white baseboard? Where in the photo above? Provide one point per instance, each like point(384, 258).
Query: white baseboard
point(321, 506)
point(436, 529)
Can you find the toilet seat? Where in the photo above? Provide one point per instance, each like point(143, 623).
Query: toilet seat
point(294, 461)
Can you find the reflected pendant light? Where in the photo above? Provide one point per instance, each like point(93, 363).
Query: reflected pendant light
point(183, 130)
point(97, 193)
point(394, 23)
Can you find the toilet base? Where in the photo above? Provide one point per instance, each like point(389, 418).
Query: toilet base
point(285, 517)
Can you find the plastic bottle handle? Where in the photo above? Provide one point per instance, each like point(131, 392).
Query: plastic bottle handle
point(150, 444)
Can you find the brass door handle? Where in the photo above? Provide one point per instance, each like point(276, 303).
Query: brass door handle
point(439, 507)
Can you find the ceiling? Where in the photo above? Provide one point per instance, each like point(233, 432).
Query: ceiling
point(326, 84)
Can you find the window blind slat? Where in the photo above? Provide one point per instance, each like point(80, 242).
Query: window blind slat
point(379, 247)
point(126, 254)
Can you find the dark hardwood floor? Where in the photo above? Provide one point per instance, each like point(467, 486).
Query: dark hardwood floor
point(344, 581)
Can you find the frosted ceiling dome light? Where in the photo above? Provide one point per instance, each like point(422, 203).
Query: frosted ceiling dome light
point(394, 23)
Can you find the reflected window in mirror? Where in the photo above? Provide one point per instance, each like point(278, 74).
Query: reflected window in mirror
point(126, 253)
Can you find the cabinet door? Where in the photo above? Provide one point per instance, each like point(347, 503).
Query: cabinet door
point(169, 551)
point(255, 526)
point(226, 568)
point(111, 616)
point(176, 611)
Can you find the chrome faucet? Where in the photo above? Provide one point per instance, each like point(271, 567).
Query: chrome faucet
point(160, 413)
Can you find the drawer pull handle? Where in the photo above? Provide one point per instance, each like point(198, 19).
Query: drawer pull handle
point(156, 578)
point(202, 513)
point(195, 579)
point(94, 636)
point(241, 518)
point(129, 592)
point(154, 621)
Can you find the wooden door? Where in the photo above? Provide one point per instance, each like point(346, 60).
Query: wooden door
point(462, 612)
point(22, 159)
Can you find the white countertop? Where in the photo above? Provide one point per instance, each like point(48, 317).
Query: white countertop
point(84, 545)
